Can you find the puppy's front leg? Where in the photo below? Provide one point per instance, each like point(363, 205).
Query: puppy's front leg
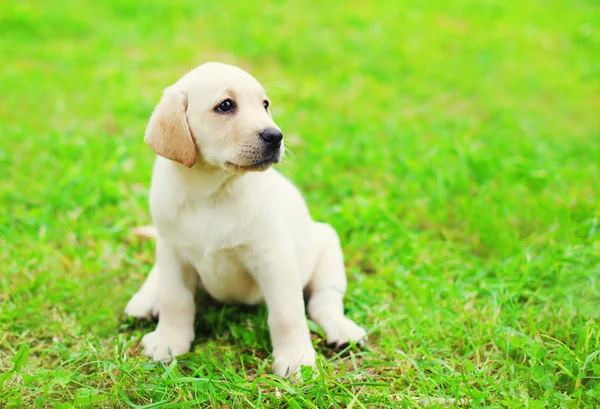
point(177, 283)
point(275, 272)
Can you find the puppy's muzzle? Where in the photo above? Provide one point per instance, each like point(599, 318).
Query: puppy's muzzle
point(271, 138)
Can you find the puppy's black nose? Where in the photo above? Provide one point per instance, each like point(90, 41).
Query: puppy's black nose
point(271, 136)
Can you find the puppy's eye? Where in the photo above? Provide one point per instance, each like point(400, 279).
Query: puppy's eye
point(266, 104)
point(225, 106)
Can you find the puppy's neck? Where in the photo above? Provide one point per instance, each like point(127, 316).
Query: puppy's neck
point(202, 181)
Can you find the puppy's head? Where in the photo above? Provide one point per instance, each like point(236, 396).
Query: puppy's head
point(217, 115)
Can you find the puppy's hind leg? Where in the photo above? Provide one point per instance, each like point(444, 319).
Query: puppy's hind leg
point(144, 303)
point(326, 290)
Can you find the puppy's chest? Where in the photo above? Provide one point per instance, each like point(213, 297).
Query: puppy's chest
point(206, 229)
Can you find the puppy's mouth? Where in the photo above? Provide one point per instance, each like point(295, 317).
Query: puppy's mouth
point(259, 165)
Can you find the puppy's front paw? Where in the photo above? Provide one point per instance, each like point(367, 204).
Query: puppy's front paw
point(142, 306)
point(161, 347)
point(340, 333)
point(288, 361)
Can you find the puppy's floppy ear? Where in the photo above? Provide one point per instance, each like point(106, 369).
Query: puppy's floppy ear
point(168, 132)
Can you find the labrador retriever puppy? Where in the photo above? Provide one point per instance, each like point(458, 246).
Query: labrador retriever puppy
point(230, 224)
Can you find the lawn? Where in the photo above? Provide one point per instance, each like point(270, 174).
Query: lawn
point(455, 147)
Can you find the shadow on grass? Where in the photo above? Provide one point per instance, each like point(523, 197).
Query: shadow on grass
point(213, 319)
point(237, 325)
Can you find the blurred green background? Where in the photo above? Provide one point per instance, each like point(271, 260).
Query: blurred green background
point(455, 146)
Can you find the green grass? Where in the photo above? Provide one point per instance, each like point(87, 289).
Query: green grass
point(455, 147)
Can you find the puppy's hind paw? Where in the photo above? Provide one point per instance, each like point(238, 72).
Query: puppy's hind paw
point(343, 332)
point(141, 307)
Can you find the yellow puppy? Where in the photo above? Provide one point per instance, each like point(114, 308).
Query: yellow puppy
point(228, 223)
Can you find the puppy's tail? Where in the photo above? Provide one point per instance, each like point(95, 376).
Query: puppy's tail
point(145, 232)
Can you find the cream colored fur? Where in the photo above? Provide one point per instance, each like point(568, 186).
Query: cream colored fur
point(228, 223)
